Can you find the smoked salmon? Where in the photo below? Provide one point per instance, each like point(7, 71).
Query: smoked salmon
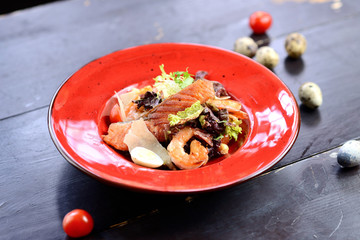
point(116, 135)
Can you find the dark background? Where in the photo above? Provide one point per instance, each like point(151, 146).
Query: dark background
point(10, 6)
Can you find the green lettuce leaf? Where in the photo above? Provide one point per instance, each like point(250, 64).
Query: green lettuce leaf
point(188, 114)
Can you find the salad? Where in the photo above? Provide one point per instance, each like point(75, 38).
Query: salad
point(180, 122)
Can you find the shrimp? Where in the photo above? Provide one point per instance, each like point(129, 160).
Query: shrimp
point(198, 153)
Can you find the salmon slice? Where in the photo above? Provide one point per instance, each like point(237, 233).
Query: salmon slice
point(157, 118)
point(116, 135)
point(201, 90)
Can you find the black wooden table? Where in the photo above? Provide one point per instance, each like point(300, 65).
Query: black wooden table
point(305, 196)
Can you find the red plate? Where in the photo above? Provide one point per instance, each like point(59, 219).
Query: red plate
point(76, 117)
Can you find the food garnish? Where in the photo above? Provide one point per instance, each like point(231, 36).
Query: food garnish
point(145, 157)
point(148, 100)
point(169, 84)
point(188, 114)
point(233, 128)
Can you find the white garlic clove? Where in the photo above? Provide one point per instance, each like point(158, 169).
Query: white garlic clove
point(310, 95)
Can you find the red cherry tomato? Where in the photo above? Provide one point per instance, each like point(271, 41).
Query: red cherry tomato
point(115, 114)
point(260, 22)
point(78, 223)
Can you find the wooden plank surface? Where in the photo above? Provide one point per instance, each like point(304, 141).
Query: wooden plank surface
point(309, 199)
point(334, 69)
point(38, 55)
point(42, 46)
point(305, 196)
point(312, 199)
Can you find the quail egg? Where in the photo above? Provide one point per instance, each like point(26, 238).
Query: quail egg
point(267, 57)
point(145, 157)
point(310, 95)
point(246, 46)
point(295, 45)
point(349, 154)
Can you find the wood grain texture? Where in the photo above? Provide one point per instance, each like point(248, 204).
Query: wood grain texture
point(42, 46)
point(57, 42)
point(308, 199)
point(312, 199)
point(305, 196)
point(328, 62)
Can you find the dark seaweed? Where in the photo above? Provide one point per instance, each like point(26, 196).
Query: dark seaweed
point(219, 90)
point(223, 115)
point(211, 123)
point(148, 100)
point(214, 150)
point(215, 123)
point(200, 75)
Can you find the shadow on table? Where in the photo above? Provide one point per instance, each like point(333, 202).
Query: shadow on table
point(261, 39)
point(113, 207)
point(310, 117)
point(348, 172)
point(294, 66)
point(245, 209)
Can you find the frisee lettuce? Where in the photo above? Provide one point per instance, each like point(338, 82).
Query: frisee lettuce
point(167, 88)
point(233, 129)
point(188, 114)
point(169, 84)
point(183, 79)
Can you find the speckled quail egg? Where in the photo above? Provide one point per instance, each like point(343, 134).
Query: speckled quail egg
point(310, 95)
point(267, 57)
point(295, 45)
point(246, 46)
point(349, 154)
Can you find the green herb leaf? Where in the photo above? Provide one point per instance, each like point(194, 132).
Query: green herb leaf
point(219, 137)
point(183, 79)
point(172, 83)
point(233, 129)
